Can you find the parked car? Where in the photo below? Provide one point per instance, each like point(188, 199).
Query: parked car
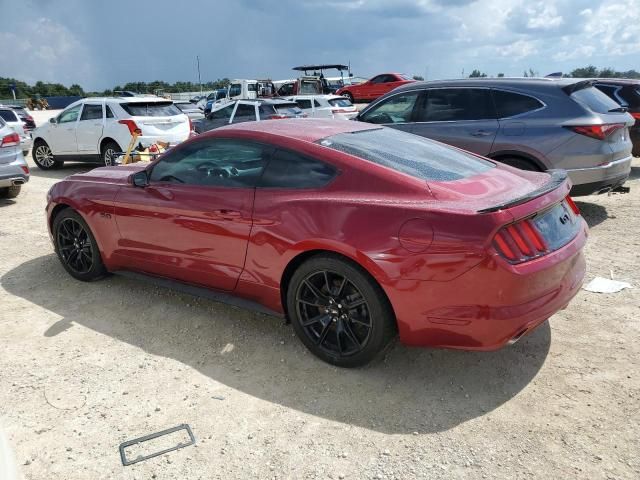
point(626, 93)
point(325, 106)
point(351, 231)
point(189, 109)
point(96, 129)
point(532, 124)
point(309, 85)
point(248, 111)
point(217, 96)
point(14, 171)
point(13, 120)
point(375, 87)
point(24, 115)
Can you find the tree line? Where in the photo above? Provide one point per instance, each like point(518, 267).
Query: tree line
point(583, 72)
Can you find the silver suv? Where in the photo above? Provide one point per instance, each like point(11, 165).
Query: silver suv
point(14, 171)
point(532, 124)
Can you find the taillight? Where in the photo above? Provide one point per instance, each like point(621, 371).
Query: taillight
point(25, 169)
point(11, 140)
point(29, 118)
point(131, 125)
point(276, 117)
point(599, 132)
point(520, 242)
point(340, 110)
point(636, 115)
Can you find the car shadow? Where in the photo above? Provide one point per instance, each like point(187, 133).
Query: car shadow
point(406, 390)
point(5, 202)
point(635, 173)
point(594, 214)
point(69, 168)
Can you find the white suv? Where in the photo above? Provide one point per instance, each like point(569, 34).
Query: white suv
point(325, 106)
point(96, 129)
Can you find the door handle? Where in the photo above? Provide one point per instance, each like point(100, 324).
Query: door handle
point(228, 214)
point(481, 133)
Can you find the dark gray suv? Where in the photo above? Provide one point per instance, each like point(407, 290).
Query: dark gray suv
point(533, 124)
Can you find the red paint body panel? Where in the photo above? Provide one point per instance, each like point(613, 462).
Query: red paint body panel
point(425, 244)
point(370, 91)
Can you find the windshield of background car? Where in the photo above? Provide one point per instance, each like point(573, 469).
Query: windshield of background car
point(340, 102)
point(292, 110)
point(409, 154)
point(594, 100)
point(151, 109)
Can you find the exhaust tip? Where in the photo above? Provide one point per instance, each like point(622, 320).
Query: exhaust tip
point(17, 182)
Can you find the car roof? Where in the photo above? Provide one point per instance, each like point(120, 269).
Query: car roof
point(304, 129)
point(311, 96)
point(148, 99)
point(520, 82)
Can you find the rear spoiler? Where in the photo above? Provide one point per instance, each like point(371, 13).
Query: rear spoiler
point(574, 87)
point(557, 178)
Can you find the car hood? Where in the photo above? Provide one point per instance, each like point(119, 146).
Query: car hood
point(499, 188)
point(116, 175)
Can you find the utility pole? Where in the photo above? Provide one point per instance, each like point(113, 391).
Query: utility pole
point(199, 81)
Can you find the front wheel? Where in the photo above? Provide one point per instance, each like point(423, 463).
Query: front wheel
point(76, 247)
point(43, 157)
point(339, 312)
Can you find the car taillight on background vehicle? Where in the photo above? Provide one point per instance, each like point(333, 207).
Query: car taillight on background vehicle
point(599, 132)
point(525, 240)
point(276, 116)
point(636, 115)
point(131, 125)
point(12, 140)
point(340, 110)
point(25, 169)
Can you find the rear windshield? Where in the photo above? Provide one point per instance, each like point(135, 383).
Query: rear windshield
point(9, 116)
point(292, 109)
point(409, 154)
point(151, 109)
point(340, 102)
point(594, 100)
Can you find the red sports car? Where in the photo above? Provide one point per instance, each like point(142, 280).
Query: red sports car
point(353, 232)
point(374, 88)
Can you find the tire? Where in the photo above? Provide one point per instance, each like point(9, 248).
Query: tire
point(107, 153)
point(10, 192)
point(43, 157)
point(318, 296)
point(76, 247)
point(521, 163)
point(349, 96)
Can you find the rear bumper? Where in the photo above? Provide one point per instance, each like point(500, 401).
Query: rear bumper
point(25, 142)
point(589, 180)
point(493, 304)
point(12, 173)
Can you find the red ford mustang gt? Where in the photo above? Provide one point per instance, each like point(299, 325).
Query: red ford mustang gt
point(374, 87)
point(352, 231)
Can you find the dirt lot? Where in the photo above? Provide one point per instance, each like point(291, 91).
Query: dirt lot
point(84, 367)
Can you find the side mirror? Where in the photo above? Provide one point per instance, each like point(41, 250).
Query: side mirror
point(140, 179)
point(53, 120)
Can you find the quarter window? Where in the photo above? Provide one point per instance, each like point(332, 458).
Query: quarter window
point(70, 115)
point(304, 103)
point(213, 163)
point(222, 114)
point(244, 113)
point(395, 109)
point(91, 112)
point(456, 104)
point(291, 170)
point(509, 104)
point(108, 111)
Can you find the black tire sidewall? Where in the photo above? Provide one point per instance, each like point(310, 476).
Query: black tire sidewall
point(382, 318)
point(97, 269)
point(520, 163)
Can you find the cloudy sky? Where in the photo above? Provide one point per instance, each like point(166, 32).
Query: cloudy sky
point(99, 44)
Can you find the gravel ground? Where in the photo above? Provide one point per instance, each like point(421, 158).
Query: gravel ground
point(84, 367)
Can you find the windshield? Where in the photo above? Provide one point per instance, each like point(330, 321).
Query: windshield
point(340, 102)
point(408, 154)
point(291, 109)
point(151, 109)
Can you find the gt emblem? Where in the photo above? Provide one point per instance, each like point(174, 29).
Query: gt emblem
point(564, 218)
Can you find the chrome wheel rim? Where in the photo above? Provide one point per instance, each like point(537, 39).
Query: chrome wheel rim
point(74, 246)
point(333, 313)
point(44, 156)
point(109, 155)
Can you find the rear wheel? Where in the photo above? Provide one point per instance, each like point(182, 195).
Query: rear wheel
point(339, 312)
point(43, 157)
point(521, 163)
point(349, 96)
point(10, 192)
point(76, 247)
point(108, 153)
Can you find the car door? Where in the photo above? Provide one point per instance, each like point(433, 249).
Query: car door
point(463, 117)
point(90, 128)
point(396, 111)
point(373, 88)
point(192, 222)
point(62, 133)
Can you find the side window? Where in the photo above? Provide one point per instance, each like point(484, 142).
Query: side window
point(235, 89)
point(91, 112)
point(244, 113)
point(395, 109)
point(316, 103)
point(70, 115)
point(223, 113)
point(286, 89)
point(509, 104)
point(304, 103)
point(388, 79)
point(108, 111)
point(291, 170)
point(456, 104)
point(613, 92)
point(378, 79)
point(213, 163)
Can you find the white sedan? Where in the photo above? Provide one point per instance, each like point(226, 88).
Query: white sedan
point(325, 106)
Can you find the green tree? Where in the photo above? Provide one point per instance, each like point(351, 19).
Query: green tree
point(477, 74)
